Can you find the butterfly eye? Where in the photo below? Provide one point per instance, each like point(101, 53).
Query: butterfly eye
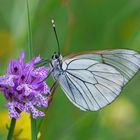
point(56, 56)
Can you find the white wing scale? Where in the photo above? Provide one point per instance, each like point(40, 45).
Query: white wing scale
point(91, 81)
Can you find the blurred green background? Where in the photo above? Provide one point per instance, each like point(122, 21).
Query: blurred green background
point(81, 25)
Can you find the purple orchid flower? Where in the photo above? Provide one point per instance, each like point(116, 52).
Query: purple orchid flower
point(23, 86)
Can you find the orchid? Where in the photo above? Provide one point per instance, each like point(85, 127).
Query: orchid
point(24, 87)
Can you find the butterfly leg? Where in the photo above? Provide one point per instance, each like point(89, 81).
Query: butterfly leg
point(42, 62)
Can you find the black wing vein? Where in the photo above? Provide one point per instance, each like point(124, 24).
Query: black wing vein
point(105, 79)
point(70, 89)
point(118, 69)
point(93, 96)
point(78, 78)
point(123, 59)
point(79, 92)
point(86, 86)
point(102, 94)
point(119, 63)
point(82, 89)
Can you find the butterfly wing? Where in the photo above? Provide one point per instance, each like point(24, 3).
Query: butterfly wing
point(127, 62)
point(91, 81)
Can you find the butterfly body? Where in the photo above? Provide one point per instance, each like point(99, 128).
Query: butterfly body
point(56, 66)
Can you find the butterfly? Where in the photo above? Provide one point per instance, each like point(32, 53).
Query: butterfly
point(91, 80)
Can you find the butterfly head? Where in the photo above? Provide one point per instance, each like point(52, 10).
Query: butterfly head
point(55, 56)
point(56, 59)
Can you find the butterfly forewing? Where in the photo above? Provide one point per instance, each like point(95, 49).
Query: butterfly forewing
point(127, 62)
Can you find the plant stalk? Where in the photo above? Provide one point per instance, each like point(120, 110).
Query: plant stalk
point(33, 128)
point(11, 129)
point(33, 121)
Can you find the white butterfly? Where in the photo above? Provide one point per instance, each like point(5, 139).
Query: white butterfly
point(94, 79)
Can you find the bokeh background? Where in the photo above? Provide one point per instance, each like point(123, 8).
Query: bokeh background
point(81, 25)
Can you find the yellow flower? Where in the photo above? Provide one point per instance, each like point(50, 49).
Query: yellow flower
point(22, 129)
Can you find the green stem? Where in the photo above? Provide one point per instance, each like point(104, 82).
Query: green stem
point(33, 121)
point(30, 32)
point(33, 128)
point(11, 129)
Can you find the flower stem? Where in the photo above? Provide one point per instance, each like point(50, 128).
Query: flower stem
point(11, 129)
point(33, 128)
point(33, 121)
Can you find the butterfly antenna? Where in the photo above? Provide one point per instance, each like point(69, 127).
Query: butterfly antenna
point(54, 28)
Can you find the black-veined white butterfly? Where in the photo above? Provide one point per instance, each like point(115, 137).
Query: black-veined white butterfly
point(91, 80)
